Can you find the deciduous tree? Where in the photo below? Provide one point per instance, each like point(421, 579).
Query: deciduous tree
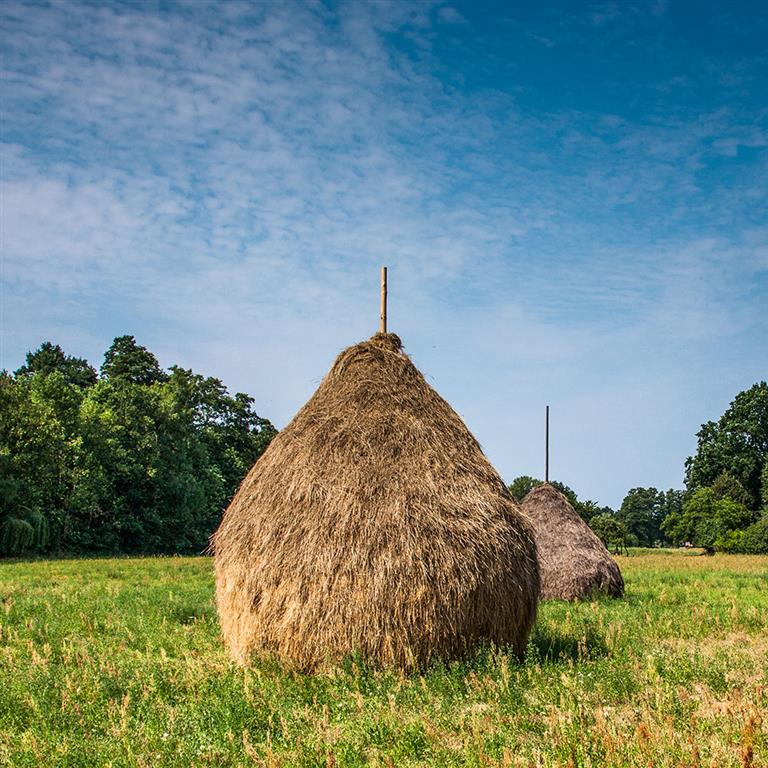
point(737, 443)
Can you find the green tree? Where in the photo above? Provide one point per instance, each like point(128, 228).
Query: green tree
point(764, 485)
point(754, 540)
point(726, 486)
point(737, 444)
point(589, 509)
point(672, 505)
point(33, 463)
point(113, 507)
point(129, 361)
point(521, 486)
point(611, 531)
point(707, 521)
point(233, 433)
point(642, 512)
point(48, 358)
point(137, 461)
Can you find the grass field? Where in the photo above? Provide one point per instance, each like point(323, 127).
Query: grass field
point(119, 663)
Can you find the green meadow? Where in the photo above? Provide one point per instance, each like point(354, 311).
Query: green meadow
point(118, 662)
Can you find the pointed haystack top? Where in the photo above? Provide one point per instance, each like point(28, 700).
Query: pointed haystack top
point(373, 523)
point(572, 560)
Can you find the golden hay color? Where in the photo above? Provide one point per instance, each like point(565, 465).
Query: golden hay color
point(572, 559)
point(373, 524)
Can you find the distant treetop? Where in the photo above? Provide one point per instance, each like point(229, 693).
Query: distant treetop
point(48, 358)
point(129, 361)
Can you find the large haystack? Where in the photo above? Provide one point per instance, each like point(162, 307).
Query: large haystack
point(374, 524)
point(573, 562)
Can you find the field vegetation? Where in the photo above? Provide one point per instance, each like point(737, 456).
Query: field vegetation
point(119, 662)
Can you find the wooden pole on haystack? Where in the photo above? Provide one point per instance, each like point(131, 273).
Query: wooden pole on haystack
point(383, 326)
point(546, 447)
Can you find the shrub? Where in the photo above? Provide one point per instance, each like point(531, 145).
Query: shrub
point(730, 541)
point(41, 531)
point(16, 536)
point(755, 539)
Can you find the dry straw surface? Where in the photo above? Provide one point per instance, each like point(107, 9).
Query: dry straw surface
point(572, 559)
point(373, 524)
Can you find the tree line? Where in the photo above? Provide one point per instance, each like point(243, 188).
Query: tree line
point(724, 506)
point(136, 459)
point(129, 459)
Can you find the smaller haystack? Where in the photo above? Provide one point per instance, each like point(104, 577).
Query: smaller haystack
point(573, 562)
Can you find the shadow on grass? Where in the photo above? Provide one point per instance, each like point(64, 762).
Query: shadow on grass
point(546, 645)
point(550, 645)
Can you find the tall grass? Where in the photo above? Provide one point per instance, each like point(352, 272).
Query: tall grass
point(119, 662)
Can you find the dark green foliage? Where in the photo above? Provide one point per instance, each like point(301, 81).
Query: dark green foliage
point(611, 531)
point(644, 510)
point(727, 480)
point(709, 522)
point(135, 461)
point(49, 358)
point(41, 532)
point(737, 444)
point(764, 484)
point(21, 535)
point(521, 486)
point(129, 361)
point(16, 536)
point(673, 503)
point(726, 486)
point(640, 512)
point(35, 452)
point(755, 538)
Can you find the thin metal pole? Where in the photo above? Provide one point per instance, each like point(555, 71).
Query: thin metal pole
point(546, 449)
point(383, 316)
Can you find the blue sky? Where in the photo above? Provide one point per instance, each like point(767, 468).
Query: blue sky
point(571, 200)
